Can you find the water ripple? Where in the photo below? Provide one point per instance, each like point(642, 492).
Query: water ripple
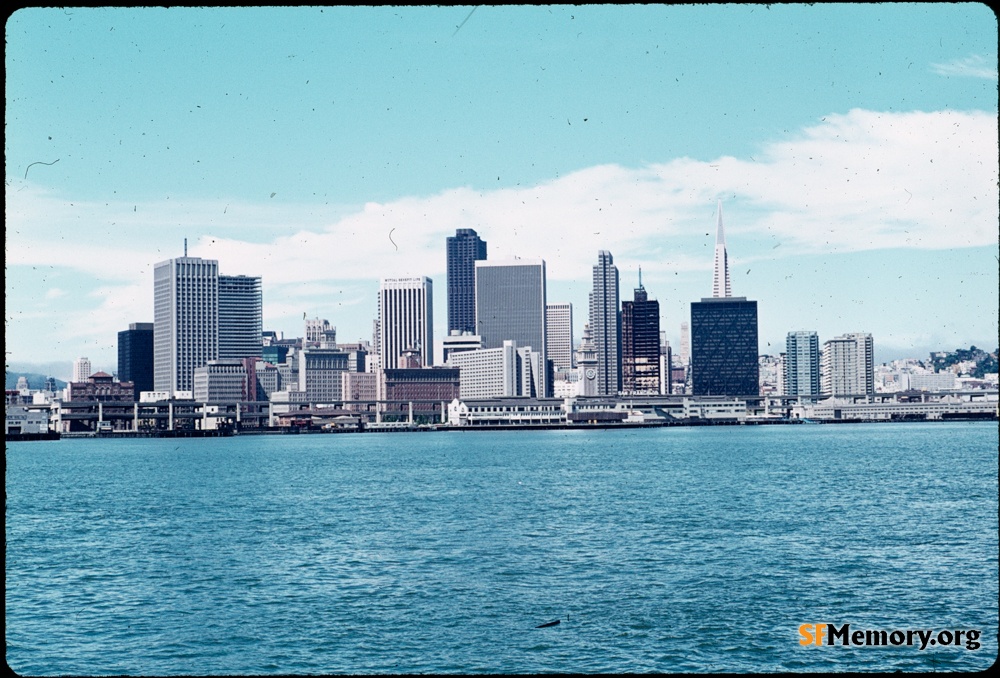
point(693, 550)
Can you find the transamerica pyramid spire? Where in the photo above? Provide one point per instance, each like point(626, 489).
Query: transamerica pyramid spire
point(720, 279)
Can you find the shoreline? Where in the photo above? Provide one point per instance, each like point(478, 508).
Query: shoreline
point(425, 428)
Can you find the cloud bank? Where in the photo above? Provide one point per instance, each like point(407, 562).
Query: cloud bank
point(855, 181)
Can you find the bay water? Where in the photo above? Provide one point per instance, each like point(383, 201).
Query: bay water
point(700, 549)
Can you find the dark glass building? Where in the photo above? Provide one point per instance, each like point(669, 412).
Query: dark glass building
point(274, 354)
point(724, 347)
point(465, 248)
point(135, 356)
point(641, 345)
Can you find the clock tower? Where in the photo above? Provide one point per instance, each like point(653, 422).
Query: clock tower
point(586, 365)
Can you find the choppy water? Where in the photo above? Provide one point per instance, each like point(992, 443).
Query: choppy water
point(667, 550)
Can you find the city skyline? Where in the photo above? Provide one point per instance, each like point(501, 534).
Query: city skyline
point(860, 192)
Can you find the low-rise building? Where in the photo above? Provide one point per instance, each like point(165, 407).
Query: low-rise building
point(418, 392)
point(506, 371)
point(21, 420)
point(320, 370)
point(220, 381)
point(507, 412)
point(359, 387)
point(101, 387)
point(457, 342)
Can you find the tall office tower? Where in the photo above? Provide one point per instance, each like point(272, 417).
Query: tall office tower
point(375, 362)
point(135, 356)
point(319, 333)
point(685, 343)
point(847, 365)
point(724, 347)
point(640, 344)
point(406, 319)
point(605, 324)
point(81, 370)
point(185, 320)
point(559, 335)
point(465, 248)
point(801, 368)
point(666, 365)
point(510, 304)
point(240, 310)
point(720, 278)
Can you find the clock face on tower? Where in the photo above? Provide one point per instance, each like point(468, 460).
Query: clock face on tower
point(591, 373)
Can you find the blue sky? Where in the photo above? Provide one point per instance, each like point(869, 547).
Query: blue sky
point(854, 148)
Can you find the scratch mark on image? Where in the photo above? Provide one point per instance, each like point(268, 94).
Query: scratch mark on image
point(38, 162)
point(463, 21)
point(393, 241)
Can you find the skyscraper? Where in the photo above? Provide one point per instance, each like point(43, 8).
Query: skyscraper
point(135, 356)
point(81, 370)
point(685, 343)
point(240, 310)
point(510, 304)
point(847, 365)
point(406, 320)
point(724, 359)
point(185, 320)
point(801, 370)
point(559, 335)
point(666, 365)
point(605, 325)
point(640, 344)
point(724, 347)
point(465, 248)
point(720, 277)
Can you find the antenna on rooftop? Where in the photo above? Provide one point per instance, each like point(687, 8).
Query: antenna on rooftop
point(185, 247)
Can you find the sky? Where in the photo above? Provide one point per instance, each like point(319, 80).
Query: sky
point(853, 148)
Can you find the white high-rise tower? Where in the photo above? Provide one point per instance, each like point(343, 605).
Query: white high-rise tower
point(559, 335)
point(406, 320)
point(185, 320)
point(847, 365)
point(720, 280)
point(81, 369)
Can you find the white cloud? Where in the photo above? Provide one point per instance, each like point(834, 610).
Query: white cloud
point(855, 181)
point(861, 180)
point(976, 66)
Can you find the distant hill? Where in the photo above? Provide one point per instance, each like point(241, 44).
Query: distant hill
point(35, 381)
point(985, 362)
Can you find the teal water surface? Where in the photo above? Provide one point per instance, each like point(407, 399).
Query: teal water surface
point(660, 550)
